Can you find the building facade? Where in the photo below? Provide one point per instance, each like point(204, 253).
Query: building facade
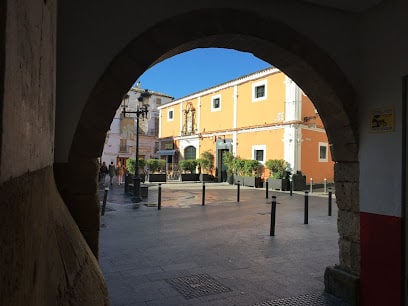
point(220, 119)
point(120, 142)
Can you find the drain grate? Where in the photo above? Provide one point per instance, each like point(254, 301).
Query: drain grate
point(314, 299)
point(198, 285)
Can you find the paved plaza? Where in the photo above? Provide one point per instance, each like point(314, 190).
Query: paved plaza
point(220, 253)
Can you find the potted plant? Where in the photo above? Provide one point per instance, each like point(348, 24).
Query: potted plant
point(206, 162)
point(279, 176)
point(131, 165)
point(239, 165)
point(228, 159)
point(189, 165)
point(252, 170)
point(154, 166)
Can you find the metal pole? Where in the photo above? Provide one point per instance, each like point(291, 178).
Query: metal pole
point(291, 187)
point(273, 216)
point(311, 185)
point(136, 179)
point(330, 201)
point(325, 185)
point(159, 198)
point(238, 185)
point(306, 221)
point(203, 197)
point(105, 197)
point(267, 189)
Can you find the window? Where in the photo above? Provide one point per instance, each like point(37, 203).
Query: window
point(215, 103)
point(123, 145)
point(323, 152)
point(258, 153)
point(170, 115)
point(190, 152)
point(158, 101)
point(259, 91)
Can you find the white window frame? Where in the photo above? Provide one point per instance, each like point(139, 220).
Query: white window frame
point(258, 84)
point(323, 144)
point(171, 110)
point(215, 109)
point(259, 148)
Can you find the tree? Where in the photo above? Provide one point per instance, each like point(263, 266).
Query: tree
point(188, 165)
point(206, 161)
point(131, 164)
point(155, 164)
point(251, 167)
point(277, 167)
point(239, 166)
point(228, 159)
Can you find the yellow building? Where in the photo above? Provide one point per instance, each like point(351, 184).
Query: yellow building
point(261, 116)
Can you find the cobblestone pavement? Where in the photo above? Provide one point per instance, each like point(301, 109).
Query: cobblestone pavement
point(217, 254)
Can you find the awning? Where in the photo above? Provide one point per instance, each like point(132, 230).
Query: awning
point(165, 152)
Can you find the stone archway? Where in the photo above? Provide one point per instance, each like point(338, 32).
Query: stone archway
point(270, 40)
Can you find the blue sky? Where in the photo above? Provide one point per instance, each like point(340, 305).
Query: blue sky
point(199, 69)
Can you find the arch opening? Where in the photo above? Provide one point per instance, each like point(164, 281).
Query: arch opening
point(267, 39)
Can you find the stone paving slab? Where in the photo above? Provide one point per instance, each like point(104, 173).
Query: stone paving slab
point(142, 249)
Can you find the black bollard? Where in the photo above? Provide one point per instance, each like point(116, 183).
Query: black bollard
point(306, 207)
point(330, 201)
point(203, 197)
point(266, 189)
point(238, 185)
point(159, 199)
point(105, 197)
point(291, 187)
point(273, 216)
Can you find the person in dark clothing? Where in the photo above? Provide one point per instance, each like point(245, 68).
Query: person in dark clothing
point(112, 172)
point(102, 172)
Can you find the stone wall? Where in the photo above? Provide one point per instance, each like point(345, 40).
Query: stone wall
point(343, 279)
point(44, 259)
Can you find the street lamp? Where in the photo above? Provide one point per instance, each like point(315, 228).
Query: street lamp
point(141, 110)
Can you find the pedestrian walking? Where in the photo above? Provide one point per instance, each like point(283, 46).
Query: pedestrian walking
point(103, 171)
point(120, 172)
point(111, 172)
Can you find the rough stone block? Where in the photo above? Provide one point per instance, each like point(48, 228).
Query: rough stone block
point(349, 255)
point(347, 196)
point(348, 224)
point(342, 284)
point(345, 152)
point(347, 172)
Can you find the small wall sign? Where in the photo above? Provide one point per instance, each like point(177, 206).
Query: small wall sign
point(382, 120)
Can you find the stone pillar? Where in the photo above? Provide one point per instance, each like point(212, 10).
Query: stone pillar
point(78, 186)
point(342, 280)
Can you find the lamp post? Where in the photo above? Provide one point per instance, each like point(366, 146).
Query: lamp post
point(141, 110)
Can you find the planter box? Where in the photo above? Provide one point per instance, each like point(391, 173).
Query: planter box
point(252, 181)
point(238, 178)
point(129, 181)
point(299, 182)
point(189, 177)
point(144, 191)
point(279, 184)
point(230, 180)
point(206, 177)
point(157, 177)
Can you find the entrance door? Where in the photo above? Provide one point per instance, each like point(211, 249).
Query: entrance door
point(222, 172)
